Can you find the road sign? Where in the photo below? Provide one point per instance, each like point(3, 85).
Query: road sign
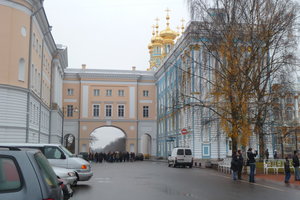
point(184, 131)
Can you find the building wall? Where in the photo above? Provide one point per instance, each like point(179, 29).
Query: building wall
point(26, 54)
point(83, 84)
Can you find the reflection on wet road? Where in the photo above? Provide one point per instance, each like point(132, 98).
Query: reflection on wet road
point(155, 181)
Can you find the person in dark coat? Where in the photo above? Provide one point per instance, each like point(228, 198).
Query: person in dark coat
point(234, 165)
point(240, 164)
point(267, 154)
point(296, 166)
point(275, 154)
point(287, 170)
point(251, 160)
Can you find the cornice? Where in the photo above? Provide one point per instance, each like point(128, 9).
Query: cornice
point(109, 74)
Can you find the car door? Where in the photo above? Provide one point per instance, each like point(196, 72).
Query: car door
point(55, 156)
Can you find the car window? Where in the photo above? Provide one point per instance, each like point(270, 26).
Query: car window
point(52, 153)
point(180, 152)
point(9, 175)
point(188, 152)
point(47, 172)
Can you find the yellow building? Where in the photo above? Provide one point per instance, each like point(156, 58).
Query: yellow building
point(125, 99)
point(31, 71)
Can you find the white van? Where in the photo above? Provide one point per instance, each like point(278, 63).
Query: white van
point(59, 156)
point(181, 157)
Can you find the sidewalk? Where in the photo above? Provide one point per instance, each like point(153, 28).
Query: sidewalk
point(277, 178)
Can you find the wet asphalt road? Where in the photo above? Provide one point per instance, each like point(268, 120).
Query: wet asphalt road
point(155, 181)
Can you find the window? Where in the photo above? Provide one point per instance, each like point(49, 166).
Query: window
point(289, 113)
point(9, 175)
point(70, 92)
point(121, 110)
point(108, 93)
point(145, 93)
point(289, 100)
point(108, 109)
point(48, 173)
point(53, 153)
point(21, 69)
point(70, 111)
point(145, 111)
point(276, 113)
point(121, 93)
point(96, 92)
point(96, 110)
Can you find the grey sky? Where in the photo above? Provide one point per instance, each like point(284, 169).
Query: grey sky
point(105, 135)
point(110, 34)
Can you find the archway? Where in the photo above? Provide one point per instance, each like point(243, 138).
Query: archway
point(146, 144)
point(69, 142)
point(107, 139)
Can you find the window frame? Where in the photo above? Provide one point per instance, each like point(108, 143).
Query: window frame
point(145, 93)
point(109, 92)
point(70, 112)
point(97, 109)
point(70, 92)
point(145, 112)
point(111, 108)
point(19, 173)
point(96, 92)
point(119, 110)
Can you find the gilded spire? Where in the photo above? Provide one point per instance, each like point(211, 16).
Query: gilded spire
point(168, 17)
point(157, 26)
point(182, 26)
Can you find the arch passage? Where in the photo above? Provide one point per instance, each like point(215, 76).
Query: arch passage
point(107, 139)
point(69, 142)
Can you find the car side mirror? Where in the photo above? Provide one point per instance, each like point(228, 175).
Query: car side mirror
point(62, 156)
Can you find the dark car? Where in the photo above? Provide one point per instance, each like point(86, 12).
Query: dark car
point(139, 156)
point(27, 174)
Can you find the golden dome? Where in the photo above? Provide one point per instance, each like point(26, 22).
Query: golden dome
point(168, 33)
point(156, 39)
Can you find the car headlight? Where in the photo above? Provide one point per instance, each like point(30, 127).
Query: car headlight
point(71, 174)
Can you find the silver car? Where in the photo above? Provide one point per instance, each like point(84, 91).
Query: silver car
point(27, 174)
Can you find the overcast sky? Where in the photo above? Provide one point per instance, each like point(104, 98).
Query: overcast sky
point(105, 135)
point(110, 34)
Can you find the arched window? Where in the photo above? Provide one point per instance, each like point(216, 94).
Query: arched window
point(21, 69)
point(289, 113)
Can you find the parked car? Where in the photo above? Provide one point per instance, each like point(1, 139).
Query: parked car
point(67, 175)
point(181, 157)
point(84, 155)
point(27, 174)
point(59, 156)
point(139, 156)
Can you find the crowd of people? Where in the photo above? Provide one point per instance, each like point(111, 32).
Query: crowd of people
point(237, 164)
point(99, 157)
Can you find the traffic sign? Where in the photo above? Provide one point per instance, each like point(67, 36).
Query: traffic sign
point(184, 131)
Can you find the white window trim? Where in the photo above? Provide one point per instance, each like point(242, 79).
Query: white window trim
point(111, 111)
point(124, 113)
point(93, 110)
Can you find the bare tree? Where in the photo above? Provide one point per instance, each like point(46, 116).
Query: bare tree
point(250, 41)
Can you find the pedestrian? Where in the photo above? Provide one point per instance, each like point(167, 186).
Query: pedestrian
point(275, 154)
point(287, 170)
point(240, 164)
point(234, 165)
point(267, 154)
point(296, 166)
point(251, 160)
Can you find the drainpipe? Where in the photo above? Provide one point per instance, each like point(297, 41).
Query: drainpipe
point(29, 74)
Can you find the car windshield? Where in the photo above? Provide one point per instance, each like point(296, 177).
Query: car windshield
point(67, 151)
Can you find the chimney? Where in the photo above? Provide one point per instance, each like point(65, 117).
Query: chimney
point(133, 68)
point(83, 66)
